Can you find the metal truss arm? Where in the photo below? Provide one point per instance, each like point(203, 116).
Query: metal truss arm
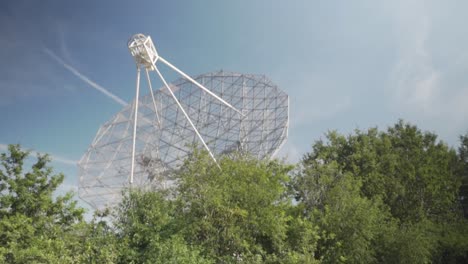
point(152, 96)
point(198, 84)
point(186, 115)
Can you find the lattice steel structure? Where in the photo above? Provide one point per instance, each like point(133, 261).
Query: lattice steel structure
point(252, 117)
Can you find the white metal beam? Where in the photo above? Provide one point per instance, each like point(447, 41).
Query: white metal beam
point(152, 96)
point(186, 115)
point(135, 124)
point(198, 84)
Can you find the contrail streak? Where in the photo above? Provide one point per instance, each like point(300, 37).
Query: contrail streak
point(54, 158)
point(84, 78)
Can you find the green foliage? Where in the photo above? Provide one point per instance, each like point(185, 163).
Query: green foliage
point(239, 213)
point(415, 175)
point(98, 243)
point(34, 226)
point(383, 197)
point(350, 222)
point(236, 211)
point(145, 227)
point(463, 156)
point(30, 193)
point(351, 225)
point(391, 196)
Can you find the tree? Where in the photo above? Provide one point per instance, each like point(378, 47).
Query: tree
point(463, 155)
point(352, 227)
point(97, 239)
point(239, 213)
point(147, 231)
point(35, 227)
point(391, 196)
point(402, 180)
point(415, 175)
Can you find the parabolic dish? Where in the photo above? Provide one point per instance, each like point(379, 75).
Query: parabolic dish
point(164, 137)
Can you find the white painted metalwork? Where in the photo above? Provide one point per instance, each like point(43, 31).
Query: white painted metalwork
point(135, 118)
point(149, 138)
point(186, 115)
point(144, 52)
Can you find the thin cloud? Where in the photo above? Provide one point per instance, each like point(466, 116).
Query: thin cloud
point(318, 111)
point(85, 78)
point(54, 158)
point(3, 147)
point(63, 46)
point(415, 80)
point(62, 160)
point(290, 152)
point(421, 86)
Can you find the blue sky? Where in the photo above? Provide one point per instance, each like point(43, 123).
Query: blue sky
point(345, 64)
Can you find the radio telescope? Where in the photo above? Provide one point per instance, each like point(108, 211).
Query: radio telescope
point(150, 137)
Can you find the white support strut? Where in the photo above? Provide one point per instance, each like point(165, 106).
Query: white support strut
point(186, 115)
point(152, 96)
point(132, 170)
point(198, 84)
point(145, 54)
point(147, 141)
